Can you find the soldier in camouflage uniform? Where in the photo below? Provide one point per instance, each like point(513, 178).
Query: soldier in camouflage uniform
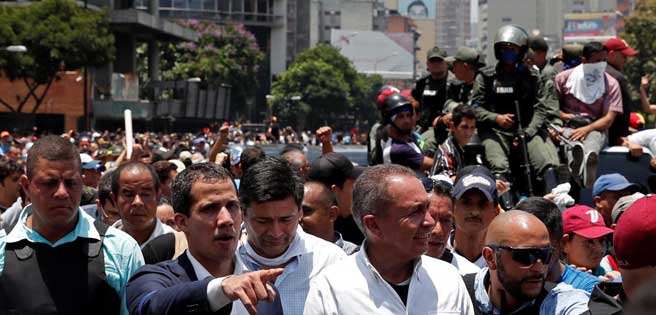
point(496, 90)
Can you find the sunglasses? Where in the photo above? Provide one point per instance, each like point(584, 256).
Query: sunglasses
point(526, 256)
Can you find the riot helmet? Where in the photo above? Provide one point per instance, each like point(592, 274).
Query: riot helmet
point(394, 104)
point(511, 34)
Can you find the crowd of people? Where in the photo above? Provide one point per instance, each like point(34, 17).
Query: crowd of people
point(461, 210)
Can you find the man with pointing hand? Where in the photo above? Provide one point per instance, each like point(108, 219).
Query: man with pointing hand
point(208, 276)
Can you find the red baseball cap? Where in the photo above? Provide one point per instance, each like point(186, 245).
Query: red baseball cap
point(635, 235)
point(619, 44)
point(584, 221)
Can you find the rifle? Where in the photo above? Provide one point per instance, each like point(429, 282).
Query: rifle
point(563, 139)
point(523, 147)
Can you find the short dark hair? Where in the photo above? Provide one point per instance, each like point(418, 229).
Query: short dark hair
point(116, 175)
point(163, 169)
point(105, 187)
point(52, 148)
point(462, 111)
point(546, 211)
point(328, 197)
point(181, 187)
point(592, 48)
point(271, 179)
point(8, 167)
point(250, 156)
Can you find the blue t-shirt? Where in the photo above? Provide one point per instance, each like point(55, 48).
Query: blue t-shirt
point(579, 279)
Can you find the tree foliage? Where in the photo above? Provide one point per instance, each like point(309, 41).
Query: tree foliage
point(328, 86)
point(640, 34)
point(224, 54)
point(59, 35)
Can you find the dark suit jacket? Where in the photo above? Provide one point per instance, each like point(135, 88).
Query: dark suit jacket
point(169, 287)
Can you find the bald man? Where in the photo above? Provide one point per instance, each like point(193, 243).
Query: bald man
point(297, 159)
point(319, 214)
point(518, 252)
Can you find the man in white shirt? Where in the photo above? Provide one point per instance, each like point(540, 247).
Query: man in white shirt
point(201, 280)
point(389, 275)
point(135, 192)
point(271, 194)
point(441, 209)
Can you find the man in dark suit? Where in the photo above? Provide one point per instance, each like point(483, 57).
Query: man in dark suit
point(201, 280)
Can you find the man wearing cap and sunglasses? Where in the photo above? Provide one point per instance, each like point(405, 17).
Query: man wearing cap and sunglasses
point(518, 253)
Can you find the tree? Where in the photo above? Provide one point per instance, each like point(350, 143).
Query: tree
point(640, 34)
point(224, 54)
point(59, 35)
point(329, 87)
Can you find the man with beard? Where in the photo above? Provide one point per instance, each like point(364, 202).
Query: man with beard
point(518, 253)
point(389, 275)
point(441, 209)
point(206, 278)
point(395, 142)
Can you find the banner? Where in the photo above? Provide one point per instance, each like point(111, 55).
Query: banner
point(590, 24)
point(417, 9)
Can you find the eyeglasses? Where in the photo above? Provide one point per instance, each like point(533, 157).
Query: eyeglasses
point(526, 256)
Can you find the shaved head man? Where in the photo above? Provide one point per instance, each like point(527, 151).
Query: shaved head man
point(518, 252)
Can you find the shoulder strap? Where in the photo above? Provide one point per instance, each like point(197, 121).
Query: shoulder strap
point(469, 280)
point(96, 247)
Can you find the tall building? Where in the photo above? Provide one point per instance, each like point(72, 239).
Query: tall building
point(453, 24)
point(542, 17)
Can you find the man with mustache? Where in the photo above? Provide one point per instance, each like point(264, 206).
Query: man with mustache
point(206, 278)
point(476, 201)
point(441, 209)
point(135, 192)
point(58, 259)
point(518, 253)
point(271, 195)
point(389, 275)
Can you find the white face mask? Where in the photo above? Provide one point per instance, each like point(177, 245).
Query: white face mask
point(593, 72)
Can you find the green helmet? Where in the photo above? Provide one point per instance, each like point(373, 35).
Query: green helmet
point(511, 34)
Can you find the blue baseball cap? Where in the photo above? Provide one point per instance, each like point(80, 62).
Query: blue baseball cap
point(93, 165)
point(478, 178)
point(612, 182)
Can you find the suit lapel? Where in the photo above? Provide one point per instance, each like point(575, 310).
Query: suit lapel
point(185, 263)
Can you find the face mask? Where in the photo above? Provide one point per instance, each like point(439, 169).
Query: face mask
point(508, 56)
point(593, 72)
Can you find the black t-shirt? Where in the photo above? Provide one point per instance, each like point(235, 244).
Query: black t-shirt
point(401, 290)
point(349, 230)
